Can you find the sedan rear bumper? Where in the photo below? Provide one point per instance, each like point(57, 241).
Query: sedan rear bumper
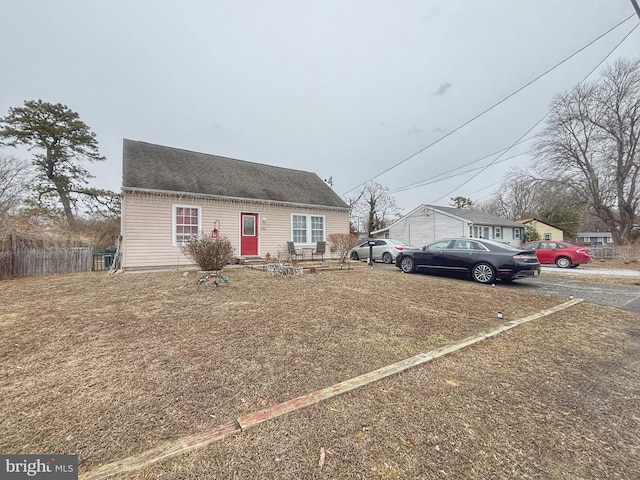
point(524, 273)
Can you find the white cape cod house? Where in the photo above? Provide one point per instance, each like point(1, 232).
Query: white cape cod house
point(428, 223)
point(170, 194)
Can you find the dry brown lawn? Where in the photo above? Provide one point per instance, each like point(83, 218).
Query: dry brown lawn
point(108, 366)
point(613, 263)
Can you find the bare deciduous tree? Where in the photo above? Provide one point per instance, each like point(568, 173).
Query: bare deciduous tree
point(523, 196)
point(14, 182)
point(590, 145)
point(517, 198)
point(374, 208)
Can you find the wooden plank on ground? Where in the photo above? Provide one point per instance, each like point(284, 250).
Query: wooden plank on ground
point(203, 439)
point(256, 418)
point(161, 452)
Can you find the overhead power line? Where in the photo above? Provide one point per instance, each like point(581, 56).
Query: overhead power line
point(436, 179)
point(544, 117)
point(429, 180)
point(435, 142)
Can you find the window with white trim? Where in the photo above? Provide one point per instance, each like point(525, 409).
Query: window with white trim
point(299, 225)
point(317, 229)
point(497, 232)
point(516, 232)
point(186, 223)
point(307, 228)
point(476, 231)
point(547, 236)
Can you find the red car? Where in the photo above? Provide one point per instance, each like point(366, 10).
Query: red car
point(563, 254)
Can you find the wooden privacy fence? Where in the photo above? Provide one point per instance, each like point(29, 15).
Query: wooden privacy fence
point(45, 261)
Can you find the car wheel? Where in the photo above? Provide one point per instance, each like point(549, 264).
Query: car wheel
point(563, 262)
point(483, 273)
point(407, 265)
point(387, 258)
point(354, 256)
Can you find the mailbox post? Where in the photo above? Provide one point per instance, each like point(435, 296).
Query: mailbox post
point(371, 245)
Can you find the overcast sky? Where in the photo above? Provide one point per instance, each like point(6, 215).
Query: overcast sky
point(345, 89)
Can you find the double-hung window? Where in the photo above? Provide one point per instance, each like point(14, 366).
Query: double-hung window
point(299, 224)
point(317, 229)
point(307, 228)
point(186, 223)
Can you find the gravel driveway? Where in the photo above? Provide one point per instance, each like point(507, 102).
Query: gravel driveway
point(569, 282)
point(581, 272)
point(626, 297)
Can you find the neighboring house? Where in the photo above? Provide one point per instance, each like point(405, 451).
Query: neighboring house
point(595, 238)
point(546, 230)
point(428, 223)
point(169, 194)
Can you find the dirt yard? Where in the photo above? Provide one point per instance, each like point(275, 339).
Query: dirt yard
point(109, 366)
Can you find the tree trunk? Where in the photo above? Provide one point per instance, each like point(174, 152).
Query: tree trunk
point(66, 205)
point(60, 183)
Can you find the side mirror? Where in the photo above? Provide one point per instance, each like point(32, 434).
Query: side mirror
point(424, 248)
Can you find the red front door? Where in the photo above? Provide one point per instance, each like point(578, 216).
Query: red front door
point(248, 234)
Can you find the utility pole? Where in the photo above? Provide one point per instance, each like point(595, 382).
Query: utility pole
point(635, 5)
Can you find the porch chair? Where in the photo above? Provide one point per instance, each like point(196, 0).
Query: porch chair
point(320, 249)
point(293, 253)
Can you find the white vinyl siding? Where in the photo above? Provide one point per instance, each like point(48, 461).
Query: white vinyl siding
point(424, 226)
point(419, 229)
point(149, 238)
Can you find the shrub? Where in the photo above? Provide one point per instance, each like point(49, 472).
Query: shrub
point(210, 254)
point(343, 242)
point(628, 253)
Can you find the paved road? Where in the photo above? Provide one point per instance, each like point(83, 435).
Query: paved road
point(569, 283)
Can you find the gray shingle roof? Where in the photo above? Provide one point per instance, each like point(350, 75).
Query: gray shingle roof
point(477, 217)
point(157, 168)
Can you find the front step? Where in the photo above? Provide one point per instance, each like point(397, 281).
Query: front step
point(250, 260)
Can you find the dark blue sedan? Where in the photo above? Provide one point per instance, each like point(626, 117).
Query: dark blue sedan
point(482, 260)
